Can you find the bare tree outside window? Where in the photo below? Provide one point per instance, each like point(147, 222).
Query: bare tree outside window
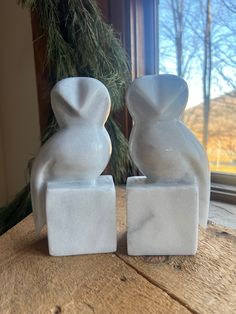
point(207, 68)
point(198, 43)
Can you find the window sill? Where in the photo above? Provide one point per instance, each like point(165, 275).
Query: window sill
point(223, 187)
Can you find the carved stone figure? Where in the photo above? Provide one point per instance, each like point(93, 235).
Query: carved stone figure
point(161, 146)
point(81, 149)
point(165, 206)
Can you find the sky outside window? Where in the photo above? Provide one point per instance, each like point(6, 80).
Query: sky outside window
point(197, 35)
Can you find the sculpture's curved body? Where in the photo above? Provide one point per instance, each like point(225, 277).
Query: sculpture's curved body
point(161, 146)
point(81, 149)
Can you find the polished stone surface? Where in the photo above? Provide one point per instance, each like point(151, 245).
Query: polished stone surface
point(161, 146)
point(81, 149)
point(81, 218)
point(162, 218)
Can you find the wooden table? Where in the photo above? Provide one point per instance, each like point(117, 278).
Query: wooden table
point(33, 282)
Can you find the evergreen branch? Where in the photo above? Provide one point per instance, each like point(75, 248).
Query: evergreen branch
point(79, 43)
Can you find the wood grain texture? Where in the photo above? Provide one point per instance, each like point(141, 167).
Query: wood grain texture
point(205, 283)
point(41, 71)
point(33, 282)
point(223, 213)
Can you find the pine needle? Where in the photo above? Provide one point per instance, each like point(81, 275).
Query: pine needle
point(79, 43)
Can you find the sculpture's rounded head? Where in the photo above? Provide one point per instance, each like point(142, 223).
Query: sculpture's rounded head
point(161, 97)
point(83, 98)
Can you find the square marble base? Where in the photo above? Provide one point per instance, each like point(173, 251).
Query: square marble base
point(162, 219)
point(81, 217)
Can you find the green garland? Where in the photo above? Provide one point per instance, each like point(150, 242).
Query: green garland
point(79, 43)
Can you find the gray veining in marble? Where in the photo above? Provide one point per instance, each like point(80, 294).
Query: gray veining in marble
point(81, 149)
point(161, 219)
point(161, 146)
point(81, 218)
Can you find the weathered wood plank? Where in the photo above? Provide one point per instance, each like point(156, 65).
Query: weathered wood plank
point(33, 282)
point(206, 283)
point(223, 214)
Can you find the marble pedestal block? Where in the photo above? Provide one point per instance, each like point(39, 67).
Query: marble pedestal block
point(81, 217)
point(162, 219)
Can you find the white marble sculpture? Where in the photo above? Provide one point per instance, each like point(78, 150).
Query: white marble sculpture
point(66, 187)
point(170, 157)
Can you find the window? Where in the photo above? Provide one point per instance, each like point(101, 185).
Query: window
point(195, 40)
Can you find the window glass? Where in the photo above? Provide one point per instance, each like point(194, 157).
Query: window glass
point(198, 43)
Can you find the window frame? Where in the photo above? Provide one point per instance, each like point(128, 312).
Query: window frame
point(223, 187)
point(137, 22)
